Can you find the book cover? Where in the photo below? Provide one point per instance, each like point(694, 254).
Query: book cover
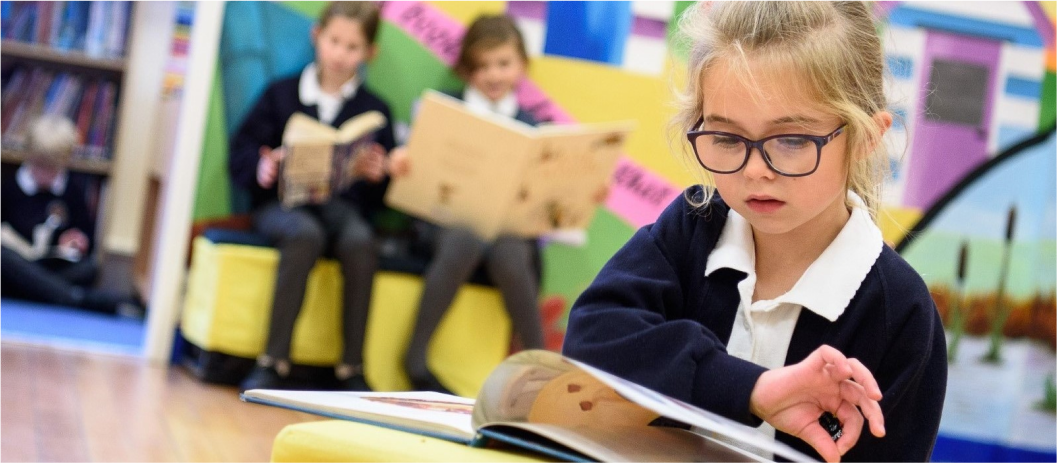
point(540, 401)
point(318, 158)
point(495, 175)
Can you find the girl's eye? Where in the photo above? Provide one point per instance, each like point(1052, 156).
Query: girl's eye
point(793, 143)
point(725, 141)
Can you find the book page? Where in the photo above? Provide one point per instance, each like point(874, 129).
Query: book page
point(318, 160)
point(465, 167)
point(553, 397)
point(616, 443)
point(572, 166)
point(694, 416)
point(441, 415)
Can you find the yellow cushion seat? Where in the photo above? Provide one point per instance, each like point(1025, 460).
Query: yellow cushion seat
point(228, 304)
point(336, 440)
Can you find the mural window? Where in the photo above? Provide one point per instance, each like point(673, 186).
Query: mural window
point(959, 94)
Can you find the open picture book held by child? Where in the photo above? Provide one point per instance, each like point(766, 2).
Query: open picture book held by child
point(540, 401)
point(318, 159)
point(495, 175)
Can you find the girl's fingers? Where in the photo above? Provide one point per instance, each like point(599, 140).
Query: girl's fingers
point(863, 376)
point(821, 441)
point(851, 425)
point(855, 394)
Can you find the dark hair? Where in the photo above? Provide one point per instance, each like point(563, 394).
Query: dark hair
point(488, 31)
point(367, 13)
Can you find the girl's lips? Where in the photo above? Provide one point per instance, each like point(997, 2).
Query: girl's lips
point(764, 205)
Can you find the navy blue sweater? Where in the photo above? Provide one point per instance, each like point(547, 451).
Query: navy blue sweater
point(264, 125)
point(652, 317)
point(24, 212)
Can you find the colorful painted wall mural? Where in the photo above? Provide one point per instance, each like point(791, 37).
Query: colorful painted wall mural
point(971, 202)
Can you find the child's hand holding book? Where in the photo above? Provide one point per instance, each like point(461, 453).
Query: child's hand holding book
point(792, 398)
point(268, 166)
point(369, 163)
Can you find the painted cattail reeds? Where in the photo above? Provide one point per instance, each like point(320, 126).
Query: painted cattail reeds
point(1002, 309)
point(957, 315)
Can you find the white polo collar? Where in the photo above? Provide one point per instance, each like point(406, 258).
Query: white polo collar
point(829, 283)
point(25, 181)
point(507, 105)
point(308, 90)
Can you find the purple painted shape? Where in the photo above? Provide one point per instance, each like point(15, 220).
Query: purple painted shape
point(1042, 22)
point(881, 9)
point(944, 152)
point(527, 10)
point(648, 27)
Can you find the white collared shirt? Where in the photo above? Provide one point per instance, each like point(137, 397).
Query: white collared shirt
point(475, 100)
point(328, 105)
point(29, 186)
point(763, 329)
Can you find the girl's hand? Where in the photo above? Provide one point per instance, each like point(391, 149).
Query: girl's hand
point(399, 163)
point(600, 196)
point(268, 166)
point(74, 239)
point(793, 398)
point(370, 163)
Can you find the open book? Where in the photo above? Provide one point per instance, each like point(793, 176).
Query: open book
point(540, 401)
point(318, 160)
point(495, 175)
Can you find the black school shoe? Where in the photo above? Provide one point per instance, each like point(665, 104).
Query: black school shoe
point(264, 378)
point(429, 383)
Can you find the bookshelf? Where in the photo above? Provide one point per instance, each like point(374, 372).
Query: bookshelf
point(88, 166)
point(46, 54)
point(127, 56)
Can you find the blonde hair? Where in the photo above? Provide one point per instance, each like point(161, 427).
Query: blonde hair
point(834, 48)
point(52, 138)
point(368, 14)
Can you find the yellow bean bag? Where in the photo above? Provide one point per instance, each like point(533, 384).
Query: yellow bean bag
point(349, 441)
point(228, 304)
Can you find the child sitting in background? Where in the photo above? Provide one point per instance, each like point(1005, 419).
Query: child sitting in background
point(768, 295)
point(331, 90)
point(492, 60)
point(48, 227)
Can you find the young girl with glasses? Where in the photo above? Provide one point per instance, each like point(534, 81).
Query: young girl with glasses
point(767, 295)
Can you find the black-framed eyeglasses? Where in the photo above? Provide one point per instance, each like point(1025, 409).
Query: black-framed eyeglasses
point(791, 155)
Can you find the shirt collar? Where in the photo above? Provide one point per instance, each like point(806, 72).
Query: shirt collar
point(25, 181)
point(829, 283)
point(309, 92)
point(475, 100)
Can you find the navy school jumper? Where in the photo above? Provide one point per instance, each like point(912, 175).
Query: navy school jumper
point(652, 317)
point(264, 125)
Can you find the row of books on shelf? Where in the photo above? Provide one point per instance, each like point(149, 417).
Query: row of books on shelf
point(89, 102)
point(96, 28)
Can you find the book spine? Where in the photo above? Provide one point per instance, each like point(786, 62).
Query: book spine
point(95, 36)
point(5, 16)
point(19, 96)
point(24, 22)
point(52, 97)
point(84, 116)
point(115, 35)
point(42, 22)
point(58, 13)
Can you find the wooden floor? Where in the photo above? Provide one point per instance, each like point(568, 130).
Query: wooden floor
point(68, 406)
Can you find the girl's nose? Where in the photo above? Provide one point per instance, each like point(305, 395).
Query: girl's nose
point(757, 166)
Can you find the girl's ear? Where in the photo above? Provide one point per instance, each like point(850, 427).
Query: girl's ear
point(883, 119)
point(314, 33)
point(372, 51)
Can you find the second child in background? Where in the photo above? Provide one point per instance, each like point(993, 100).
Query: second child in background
point(492, 61)
point(330, 89)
